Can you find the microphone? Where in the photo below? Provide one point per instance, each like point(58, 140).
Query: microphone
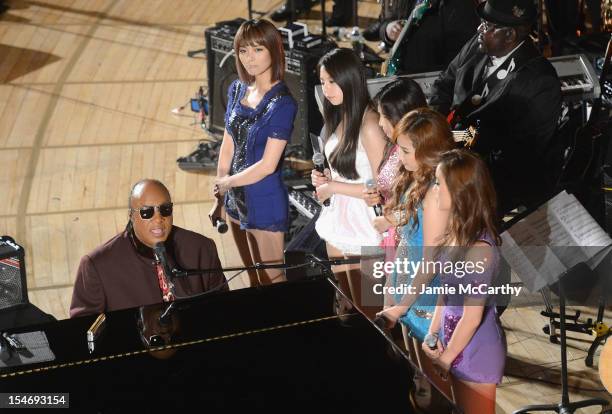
point(371, 185)
point(217, 211)
point(319, 163)
point(160, 255)
point(378, 209)
point(431, 341)
point(220, 224)
point(166, 316)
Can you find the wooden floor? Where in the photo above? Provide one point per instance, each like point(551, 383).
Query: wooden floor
point(86, 93)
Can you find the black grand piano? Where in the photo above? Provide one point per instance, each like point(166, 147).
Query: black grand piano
point(277, 347)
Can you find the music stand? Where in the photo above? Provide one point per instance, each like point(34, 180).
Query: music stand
point(565, 406)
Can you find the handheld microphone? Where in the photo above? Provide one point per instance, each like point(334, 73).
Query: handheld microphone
point(165, 317)
point(220, 224)
point(319, 163)
point(160, 255)
point(431, 341)
point(378, 209)
point(216, 215)
point(371, 185)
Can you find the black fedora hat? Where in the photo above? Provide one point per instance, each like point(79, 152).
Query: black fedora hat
point(508, 12)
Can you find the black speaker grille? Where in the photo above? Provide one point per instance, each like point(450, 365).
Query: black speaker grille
point(11, 290)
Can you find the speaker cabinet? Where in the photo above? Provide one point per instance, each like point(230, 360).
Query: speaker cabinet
point(221, 70)
point(13, 288)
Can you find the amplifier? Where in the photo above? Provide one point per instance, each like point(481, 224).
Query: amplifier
point(13, 287)
point(300, 77)
point(221, 70)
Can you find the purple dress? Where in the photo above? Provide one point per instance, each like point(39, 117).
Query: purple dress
point(484, 357)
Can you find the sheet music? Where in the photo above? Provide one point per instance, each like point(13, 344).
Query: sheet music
point(554, 238)
point(536, 266)
point(578, 222)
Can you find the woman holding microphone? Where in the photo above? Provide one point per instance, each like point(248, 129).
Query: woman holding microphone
point(258, 125)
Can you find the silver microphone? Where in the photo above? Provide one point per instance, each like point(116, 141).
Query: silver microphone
point(378, 209)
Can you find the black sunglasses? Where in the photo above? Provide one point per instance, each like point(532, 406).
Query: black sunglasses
point(147, 212)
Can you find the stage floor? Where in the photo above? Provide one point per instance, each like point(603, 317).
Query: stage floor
point(86, 93)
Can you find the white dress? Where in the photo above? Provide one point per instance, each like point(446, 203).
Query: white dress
point(347, 223)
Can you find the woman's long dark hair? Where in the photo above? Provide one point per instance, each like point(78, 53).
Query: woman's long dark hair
point(395, 100)
point(345, 68)
point(474, 204)
point(399, 97)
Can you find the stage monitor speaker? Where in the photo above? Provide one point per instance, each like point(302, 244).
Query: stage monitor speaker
point(221, 69)
point(300, 77)
point(13, 287)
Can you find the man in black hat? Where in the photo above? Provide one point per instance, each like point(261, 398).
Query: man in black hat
point(502, 85)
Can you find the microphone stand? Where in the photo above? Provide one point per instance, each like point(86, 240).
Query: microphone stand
point(313, 261)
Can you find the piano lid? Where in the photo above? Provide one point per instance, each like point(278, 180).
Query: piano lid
point(277, 346)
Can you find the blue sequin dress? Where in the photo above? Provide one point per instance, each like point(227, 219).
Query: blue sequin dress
point(263, 205)
point(419, 316)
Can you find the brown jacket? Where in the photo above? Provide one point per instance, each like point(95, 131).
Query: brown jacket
point(121, 273)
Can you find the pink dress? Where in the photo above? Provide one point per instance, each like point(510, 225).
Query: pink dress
point(385, 181)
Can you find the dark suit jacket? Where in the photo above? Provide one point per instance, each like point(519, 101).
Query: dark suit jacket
point(121, 274)
point(517, 121)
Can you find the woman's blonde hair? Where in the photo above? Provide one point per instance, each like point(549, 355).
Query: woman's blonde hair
point(430, 135)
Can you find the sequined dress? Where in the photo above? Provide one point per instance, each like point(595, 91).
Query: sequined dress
point(263, 205)
point(384, 183)
point(484, 357)
point(418, 317)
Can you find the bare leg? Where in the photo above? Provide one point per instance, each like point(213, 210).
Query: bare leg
point(427, 367)
point(475, 398)
point(357, 284)
point(342, 278)
point(267, 247)
point(240, 238)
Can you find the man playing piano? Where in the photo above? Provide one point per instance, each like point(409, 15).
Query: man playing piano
point(501, 84)
point(124, 272)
